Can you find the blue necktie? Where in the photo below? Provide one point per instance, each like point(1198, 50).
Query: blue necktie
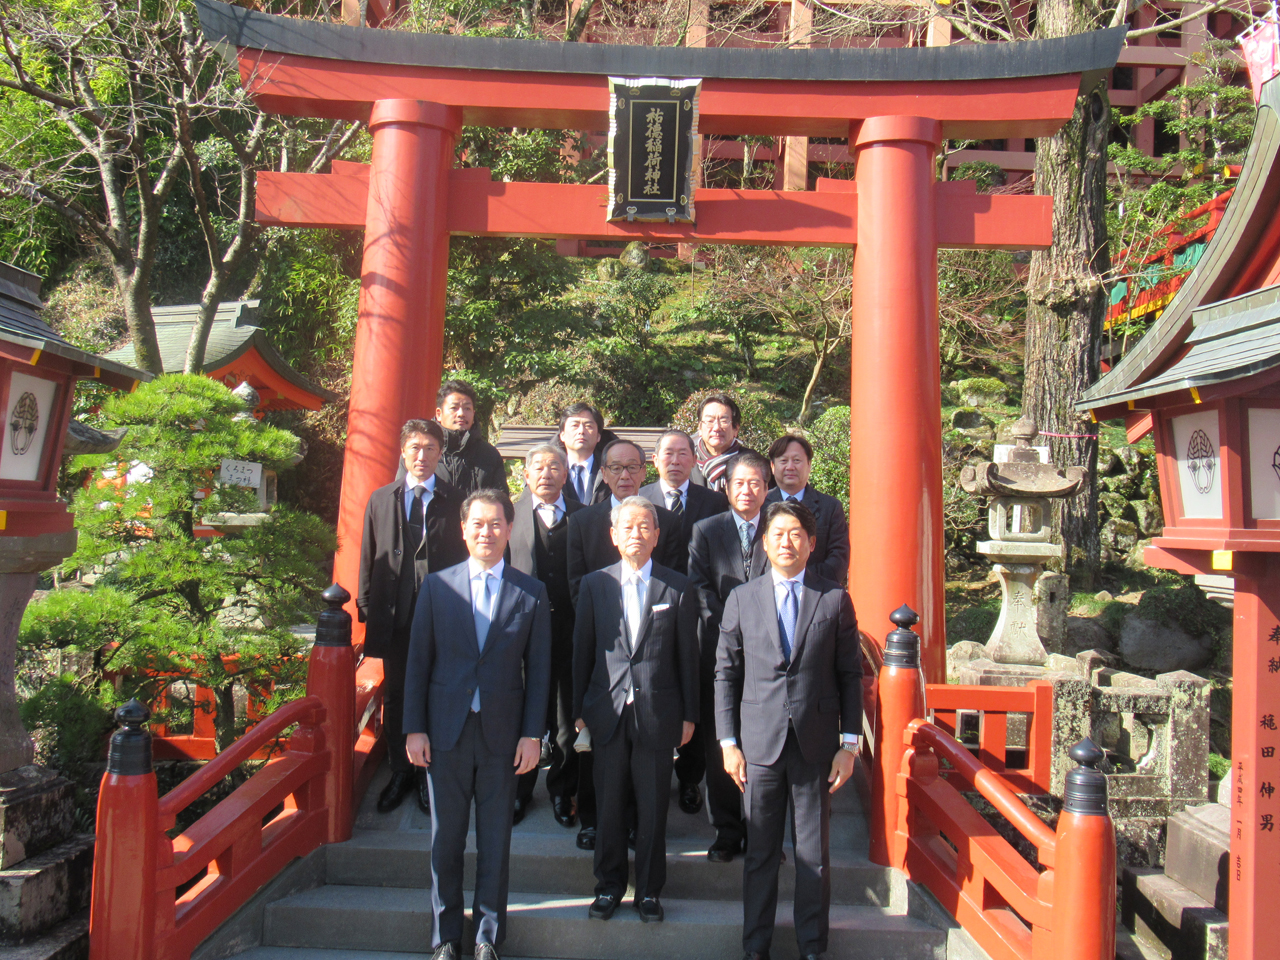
point(483, 616)
point(577, 483)
point(789, 613)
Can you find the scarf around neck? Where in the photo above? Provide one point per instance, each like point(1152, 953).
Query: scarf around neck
point(713, 467)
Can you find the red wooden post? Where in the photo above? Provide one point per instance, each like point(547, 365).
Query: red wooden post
point(331, 676)
point(399, 346)
point(895, 443)
point(122, 912)
point(1255, 758)
point(901, 693)
point(1084, 858)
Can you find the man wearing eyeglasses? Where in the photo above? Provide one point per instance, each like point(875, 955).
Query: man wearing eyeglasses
point(719, 421)
point(591, 548)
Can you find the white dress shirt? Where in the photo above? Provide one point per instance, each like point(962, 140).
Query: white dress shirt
point(550, 512)
point(667, 490)
point(428, 491)
point(477, 574)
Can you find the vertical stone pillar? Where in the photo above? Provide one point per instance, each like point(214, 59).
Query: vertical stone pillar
point(895, 430)
point(16, 749)
point(1255, 758)
point(400, 331)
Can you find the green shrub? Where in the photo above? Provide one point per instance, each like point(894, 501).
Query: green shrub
point(829, 435)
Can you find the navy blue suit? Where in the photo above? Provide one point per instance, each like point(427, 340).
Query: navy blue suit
point(473, 754)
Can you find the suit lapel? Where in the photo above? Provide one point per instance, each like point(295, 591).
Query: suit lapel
point(461, 584)
point(505, 605)
point(762, 587)
point(615, 571)
point(808, 607)
point(646, 613)
point(734, 545)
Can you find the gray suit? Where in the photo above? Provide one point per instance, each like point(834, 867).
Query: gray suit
point(633, 742)
point(788, 716)
point(472, 754)
point(830, 558)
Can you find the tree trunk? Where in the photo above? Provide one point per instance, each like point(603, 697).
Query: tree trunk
point(136, 296)
point(1067, 299)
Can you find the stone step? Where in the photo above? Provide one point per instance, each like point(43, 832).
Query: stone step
point(548, 925)
point(47, 888)
point(547, 863)
point(1198, 851)
point(1166, 916)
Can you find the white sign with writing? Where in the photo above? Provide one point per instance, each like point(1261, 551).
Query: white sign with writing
point(241, 473)
point(26, 426)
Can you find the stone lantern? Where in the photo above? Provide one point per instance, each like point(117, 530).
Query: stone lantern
point(1018, 520)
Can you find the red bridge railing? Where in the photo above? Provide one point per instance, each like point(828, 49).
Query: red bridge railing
point(1064, 909)
point(157, 898)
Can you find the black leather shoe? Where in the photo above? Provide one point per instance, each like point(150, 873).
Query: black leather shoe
point(690, 797)
point(812, 956)
point(650, 910)
point(486, 951)
point(518, 813)
point(587, 838)
point(562, 807)
point(752, 955)
point(424, 793)
point(395, 791)
point(723, 851)
point(602, 907)
point(631, 838)
point(446, 951)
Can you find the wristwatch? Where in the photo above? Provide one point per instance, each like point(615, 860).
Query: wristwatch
point(849, 746)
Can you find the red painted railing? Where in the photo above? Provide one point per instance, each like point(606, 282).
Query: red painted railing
point(922, 824)
point(156, 898)
point(948, 702)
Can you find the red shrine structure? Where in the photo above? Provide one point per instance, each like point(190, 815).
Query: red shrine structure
point(1206, 379)
point(159, 896)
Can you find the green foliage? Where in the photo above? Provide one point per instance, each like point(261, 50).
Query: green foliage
point(212, 609)
point(984, 174)
point(829, 434)
point(1219, 766)
point(974, 623)
point(73, 716)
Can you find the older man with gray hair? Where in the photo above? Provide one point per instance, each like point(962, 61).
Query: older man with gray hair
point(635, 689)
point(539, 548)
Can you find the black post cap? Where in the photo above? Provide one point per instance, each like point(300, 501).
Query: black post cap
point(130, 752)
point(1086, 789)
point(333, 628)
point(902, 646)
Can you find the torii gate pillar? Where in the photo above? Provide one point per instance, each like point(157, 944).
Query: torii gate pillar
point(895, 425)
point(399, 346)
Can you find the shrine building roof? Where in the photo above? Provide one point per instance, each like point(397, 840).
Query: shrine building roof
point(1223, 324)
point(238, 350)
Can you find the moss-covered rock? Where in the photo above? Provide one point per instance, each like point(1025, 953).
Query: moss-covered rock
point(982, 392)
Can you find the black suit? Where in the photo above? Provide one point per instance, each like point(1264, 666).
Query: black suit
point(788, 715)
point(700, 503)
point(716, 567)
point(597, 489)
point(830, 557)
point(472, 753)
point(390, 578)
point(633, 742)
point(542, 552)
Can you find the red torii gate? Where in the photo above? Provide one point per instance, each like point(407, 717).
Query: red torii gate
point(895, 105)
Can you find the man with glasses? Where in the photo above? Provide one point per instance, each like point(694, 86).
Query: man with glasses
point(724, 553)
point(591, 548)
point(792, 459)
point(719, 421)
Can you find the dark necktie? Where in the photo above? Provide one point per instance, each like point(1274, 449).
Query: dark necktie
point(676, 501)
point(578, 485)
point(744, 539)
point(790, 499)
point(415, 519)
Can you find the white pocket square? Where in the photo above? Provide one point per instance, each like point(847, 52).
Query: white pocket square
point(659, 607)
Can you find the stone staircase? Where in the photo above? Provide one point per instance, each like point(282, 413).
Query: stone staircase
point(367, 899)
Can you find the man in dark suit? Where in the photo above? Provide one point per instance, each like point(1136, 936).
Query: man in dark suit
point(591, 548)
point(539, 547)
point(719, 421)
point(788, 713)
point(635, 689)
point(792, 459)
point(675, 460)
point(724, 553)
point(582, 435)
point(476, 691)
point(411, 529)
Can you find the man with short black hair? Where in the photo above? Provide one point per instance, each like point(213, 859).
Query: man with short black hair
point(719, 420)
point(791, 457)
point(411, 529)
point(476, 687)
point(788, 694)
point(724, 553)
point(469, 462)
point(581, 435)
